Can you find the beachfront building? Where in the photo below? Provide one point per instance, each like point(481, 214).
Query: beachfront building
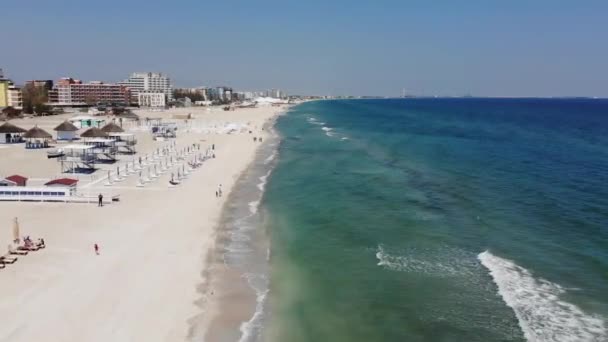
point(153, 100)
point(220, 94)
point(151, 82)
point(66, 131)
point(4, 84)
point(11, 134)
point(275, 94)
point(14, 97)
point(71, 92)
point(14, 180)
point(243, 95)
point(69, 183)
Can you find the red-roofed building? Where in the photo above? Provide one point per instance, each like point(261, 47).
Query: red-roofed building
point(66, 182)
point(17, 179)
point(14, 180)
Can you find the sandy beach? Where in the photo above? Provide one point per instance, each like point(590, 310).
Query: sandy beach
point(153, 243)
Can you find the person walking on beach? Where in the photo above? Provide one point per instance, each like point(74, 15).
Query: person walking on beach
point(100, 202)
point(96, 247)
point(213, 147)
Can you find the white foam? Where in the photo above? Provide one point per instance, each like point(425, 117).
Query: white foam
point(447, 263)
point(253, 206)
point(248, 329)
point(270, 158)
point(314, 121)
point(542, 315)
point(263, 180)
point(328, 131)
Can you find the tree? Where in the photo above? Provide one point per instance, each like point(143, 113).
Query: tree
point(33, 96)
point(41, 108)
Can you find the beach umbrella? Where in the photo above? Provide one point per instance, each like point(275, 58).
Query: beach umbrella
point(66, 126)
point(94, 132)
point(8, 127)
point(112, 128)
point(16, 235)
point(37, 133)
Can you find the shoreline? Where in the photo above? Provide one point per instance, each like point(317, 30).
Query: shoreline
point(237, 280)
point(154, 243)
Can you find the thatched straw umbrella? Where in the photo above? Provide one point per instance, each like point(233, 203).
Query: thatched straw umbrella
point(66, 126)
point(8, 127)
point(37, 133)
point(112, 128)
point(16, 235)
point(66, 131)
point(10, 133)
point(94, 132)
point(34, 136)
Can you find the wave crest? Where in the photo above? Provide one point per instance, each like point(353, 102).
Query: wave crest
point(542, 315)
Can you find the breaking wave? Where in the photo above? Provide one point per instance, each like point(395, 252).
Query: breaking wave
point(543, 316)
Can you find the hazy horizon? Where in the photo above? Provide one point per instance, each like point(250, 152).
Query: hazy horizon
point(515, 49)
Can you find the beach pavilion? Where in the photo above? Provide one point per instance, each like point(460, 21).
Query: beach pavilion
point(112, 128)
point(104, 147)
point(94, 132)
point(66, 131)
point(14, 180)
point(11, 134)
point(37, 138)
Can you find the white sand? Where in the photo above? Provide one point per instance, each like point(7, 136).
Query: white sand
point(142, 286)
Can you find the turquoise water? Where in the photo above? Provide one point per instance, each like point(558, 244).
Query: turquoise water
point(440, 220)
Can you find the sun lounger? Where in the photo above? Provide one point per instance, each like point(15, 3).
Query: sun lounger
point(17, 252)
point(8, 259)
point(30, 248)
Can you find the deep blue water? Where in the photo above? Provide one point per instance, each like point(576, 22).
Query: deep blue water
point(440, 220)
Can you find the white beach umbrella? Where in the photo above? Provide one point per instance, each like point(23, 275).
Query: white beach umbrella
point(16, 235)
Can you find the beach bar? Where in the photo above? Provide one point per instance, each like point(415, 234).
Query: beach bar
point(37, 138)
point(11, 134)
point(66, 131)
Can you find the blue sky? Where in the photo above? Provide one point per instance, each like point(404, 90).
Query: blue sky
point(487, 48)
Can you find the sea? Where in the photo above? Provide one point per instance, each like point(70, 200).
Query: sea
point(460, 219)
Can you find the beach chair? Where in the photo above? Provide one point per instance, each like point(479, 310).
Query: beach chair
point(17, 252)
point(30, 248)
point(8, 259)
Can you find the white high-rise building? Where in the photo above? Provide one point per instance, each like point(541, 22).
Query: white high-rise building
point(149, 82)
point(155, 100)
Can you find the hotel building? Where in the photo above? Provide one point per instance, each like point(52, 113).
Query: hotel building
point(156, 100)
point(148, 82)
point(70, 92)
point(14, 97)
